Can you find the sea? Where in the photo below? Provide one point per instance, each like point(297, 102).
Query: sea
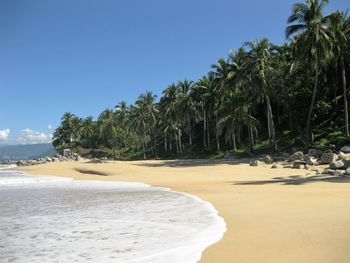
point(58, 219)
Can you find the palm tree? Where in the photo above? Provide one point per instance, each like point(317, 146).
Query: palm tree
point(339, 27)
point(147, 112)
point(87, 131)
point(312, 42)
point(257, 65)
point(186, 106)
point(122, 113)
point(109, 130)
point(234, 115)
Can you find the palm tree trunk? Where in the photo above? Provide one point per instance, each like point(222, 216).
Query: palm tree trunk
point(204, 129)
point(345, 98)
point(217, 133)
point(208, 134)
point(114, 154)
point(189, 131)
point(272, 125)
point(308, 123)
point(144, 150)
point(234, 139)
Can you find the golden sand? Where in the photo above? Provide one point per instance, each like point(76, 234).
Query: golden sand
point(272, 215)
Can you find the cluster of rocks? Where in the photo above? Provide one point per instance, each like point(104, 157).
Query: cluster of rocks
point(326, 162)
point(66, 155)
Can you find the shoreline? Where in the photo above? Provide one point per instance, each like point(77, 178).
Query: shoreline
point(270, 213)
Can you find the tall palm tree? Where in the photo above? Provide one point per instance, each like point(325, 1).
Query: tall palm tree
point(87, 131)
point(109, 130)
point(339, 28)
point(312, 42)
point(257, 66)
point(147, 118)
point(186, 106)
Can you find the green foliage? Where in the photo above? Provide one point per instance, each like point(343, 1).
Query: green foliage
point(260, 97)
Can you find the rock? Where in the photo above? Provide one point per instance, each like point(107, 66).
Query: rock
point(336, 165)
point(310, 160)
point(345, 149)
point(277, 166)
point(328, 171)
point(328, 157)
point(346, 162)
point(347, 171)
point(334, 172)
point(316, 170)
point(315, 152)
point(297, 156)
point(268, 159)
point(256, 163)
point(342, 155)
point(339, 173)
point(299, 165)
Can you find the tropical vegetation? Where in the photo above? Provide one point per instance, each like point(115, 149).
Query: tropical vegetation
point(261, 97)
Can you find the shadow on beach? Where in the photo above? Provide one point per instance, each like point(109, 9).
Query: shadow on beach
point(84, 171)
point(297, 180)
point(193, 163)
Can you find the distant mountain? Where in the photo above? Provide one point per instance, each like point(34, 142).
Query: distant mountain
point(25, 152)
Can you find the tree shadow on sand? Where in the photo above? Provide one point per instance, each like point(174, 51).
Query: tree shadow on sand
point(193, 163)
point(297, 180)
point(84, 171)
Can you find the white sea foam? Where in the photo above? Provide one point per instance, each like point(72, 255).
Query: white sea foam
point(60, 220)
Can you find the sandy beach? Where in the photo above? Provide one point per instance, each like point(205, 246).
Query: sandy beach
point(272, 215)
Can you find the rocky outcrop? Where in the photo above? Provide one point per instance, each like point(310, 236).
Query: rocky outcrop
point(67, 155)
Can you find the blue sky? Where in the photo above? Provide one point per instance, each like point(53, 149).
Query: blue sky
point(83, 56)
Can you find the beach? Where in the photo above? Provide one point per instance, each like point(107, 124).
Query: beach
point(272, 215)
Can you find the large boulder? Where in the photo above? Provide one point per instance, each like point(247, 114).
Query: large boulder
point(328, 157)
point(297, 156)
point(347, 171)
point(268, 159)
point(336, 165)
point(315, 152)
point(342, 155)
point(346, 162)
point(345, 149)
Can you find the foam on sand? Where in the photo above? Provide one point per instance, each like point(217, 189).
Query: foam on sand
point(96, 221)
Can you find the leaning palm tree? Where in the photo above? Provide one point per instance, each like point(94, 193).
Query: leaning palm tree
point(312, 43)
point(339, 28)
point(256, 68)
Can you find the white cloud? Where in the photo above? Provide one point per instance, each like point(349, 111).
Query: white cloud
point(4, 134)
point(29, 136)
point(49, 127)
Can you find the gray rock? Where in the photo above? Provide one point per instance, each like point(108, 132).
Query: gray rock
point(256, 163)
point(339, 173)
point(345, 149)
point(316, 170)
point(315, 152)
point(328, 157)
point(310, 160)
point(347, 171)
point(277, 166)
point(299, 165)
point(346, 162)
point(268, 159)
point(336, 165)
point(297, 156)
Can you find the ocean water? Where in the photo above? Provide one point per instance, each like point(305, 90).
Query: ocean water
point(55, 219)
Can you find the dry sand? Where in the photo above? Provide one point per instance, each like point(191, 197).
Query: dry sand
point(272, 215)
